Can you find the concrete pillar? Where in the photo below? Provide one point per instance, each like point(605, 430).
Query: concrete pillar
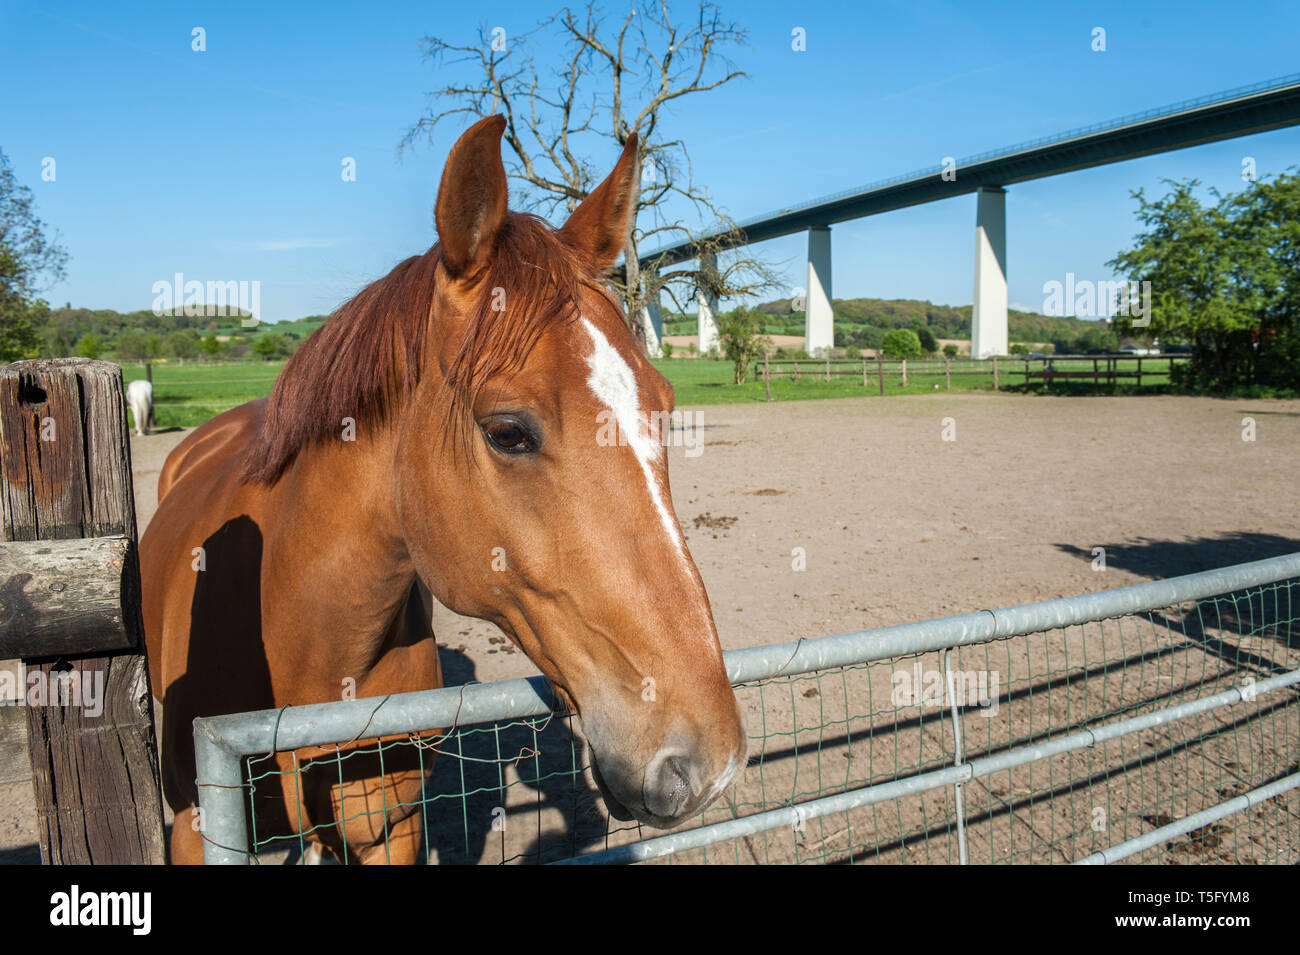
point(988, 333)
point(652, 320)
point(707, 330)
point(819, 320)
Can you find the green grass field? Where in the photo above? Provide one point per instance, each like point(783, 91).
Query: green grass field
point(188, 395)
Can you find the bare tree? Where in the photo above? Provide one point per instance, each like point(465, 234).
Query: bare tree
point(612, 82)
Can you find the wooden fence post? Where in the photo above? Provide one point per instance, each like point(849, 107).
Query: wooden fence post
point(947, 373)
point(65, 465)
point(767, 378)
point(904, 372)
point(995, 372)
point(864, 373)
point(880, 370)
point(828, 371)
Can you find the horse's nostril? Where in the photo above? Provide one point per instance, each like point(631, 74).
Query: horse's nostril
point(670, 790)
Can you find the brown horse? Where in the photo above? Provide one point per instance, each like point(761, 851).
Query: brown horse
point(448, 429)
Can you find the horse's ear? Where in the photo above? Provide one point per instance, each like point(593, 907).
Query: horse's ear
point(598, 227)
point(472, 198)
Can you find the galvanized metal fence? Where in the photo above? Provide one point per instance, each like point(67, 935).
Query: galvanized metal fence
point(1158, 722)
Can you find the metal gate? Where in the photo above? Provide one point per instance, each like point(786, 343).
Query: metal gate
point(1156, 722)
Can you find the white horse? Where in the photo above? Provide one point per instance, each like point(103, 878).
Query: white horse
point(139, 398)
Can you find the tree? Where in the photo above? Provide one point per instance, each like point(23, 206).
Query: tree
point(29, 263)
point(741, 339)
point(182, 343)
point(88, 346)
point(613, 81)
point(929, 344)
point(209, 346)
point(950, 350)
point(901, 343)
point(266, 347)
point(131, 346)
point(1226, 278)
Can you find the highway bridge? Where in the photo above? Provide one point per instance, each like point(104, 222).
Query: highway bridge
point(1269, 105)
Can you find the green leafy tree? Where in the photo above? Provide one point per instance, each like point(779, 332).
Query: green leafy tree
point(29, 262)
point(131, 346)
point(209, 346)
point(89, 346)
point(183, 343)
point(902, 343)
point(950, 350)
point(929, 344)
point(741, 340)
point(266, 347)
point(1224, 277)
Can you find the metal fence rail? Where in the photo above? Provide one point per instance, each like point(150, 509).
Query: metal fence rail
point(1092, 728)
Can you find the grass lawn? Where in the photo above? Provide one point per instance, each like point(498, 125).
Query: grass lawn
point(188, 395)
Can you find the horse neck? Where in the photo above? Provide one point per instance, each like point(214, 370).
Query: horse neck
point(339, 558)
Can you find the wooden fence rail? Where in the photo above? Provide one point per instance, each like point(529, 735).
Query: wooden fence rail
point(70, 608)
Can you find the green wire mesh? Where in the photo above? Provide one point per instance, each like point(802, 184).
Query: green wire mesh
point(522, 792)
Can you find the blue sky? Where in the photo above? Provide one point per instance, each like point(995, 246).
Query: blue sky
point(225, 164)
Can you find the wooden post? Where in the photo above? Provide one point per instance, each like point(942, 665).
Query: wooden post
point(880, 369)
point(995, 372)
point(1139, 375)
point(947, 374)
point(65, 466)
point(864, 373)
point(828, 371)
point(148, 371)
point(904, 372)
point(767, 378)
point(794, 365)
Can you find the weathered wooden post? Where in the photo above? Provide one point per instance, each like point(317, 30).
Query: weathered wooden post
point(828, 371)
point(904, 372)
point(995, 372)
point(70, 608)
point(947, 374)
point(880, 369)
point(767, 378)
point(864, 373)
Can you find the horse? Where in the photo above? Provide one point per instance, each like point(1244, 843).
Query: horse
point(139, 398)
point(446, 434)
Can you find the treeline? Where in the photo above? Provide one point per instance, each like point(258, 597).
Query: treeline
point(864, 323)
point(140, 335)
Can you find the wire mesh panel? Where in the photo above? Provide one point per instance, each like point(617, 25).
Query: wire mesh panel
point(521, 791)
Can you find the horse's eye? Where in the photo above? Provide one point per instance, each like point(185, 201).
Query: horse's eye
point(509, 437)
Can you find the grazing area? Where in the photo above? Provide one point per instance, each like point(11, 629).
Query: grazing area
point(898, 525)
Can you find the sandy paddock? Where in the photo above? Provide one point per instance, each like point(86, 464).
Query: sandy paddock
point(896, 524)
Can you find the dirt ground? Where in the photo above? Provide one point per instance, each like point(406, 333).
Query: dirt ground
point(916, 507)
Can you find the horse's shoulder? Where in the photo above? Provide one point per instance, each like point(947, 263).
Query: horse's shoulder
point(219, 442)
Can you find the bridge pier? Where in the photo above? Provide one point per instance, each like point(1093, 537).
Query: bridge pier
point(819, 319)
point(652, 320)
point(988, 329)
point(707, 329)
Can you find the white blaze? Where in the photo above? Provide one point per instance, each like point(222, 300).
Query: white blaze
point(613, 382)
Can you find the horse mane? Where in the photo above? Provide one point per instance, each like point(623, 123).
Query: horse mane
point(370, 353)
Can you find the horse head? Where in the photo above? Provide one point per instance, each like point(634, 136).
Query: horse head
point(532, 485)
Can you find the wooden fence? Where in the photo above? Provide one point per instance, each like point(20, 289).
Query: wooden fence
point(70, 611)
point(1044, 368)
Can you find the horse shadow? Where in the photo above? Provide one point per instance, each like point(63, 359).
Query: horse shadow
point(472, 797)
